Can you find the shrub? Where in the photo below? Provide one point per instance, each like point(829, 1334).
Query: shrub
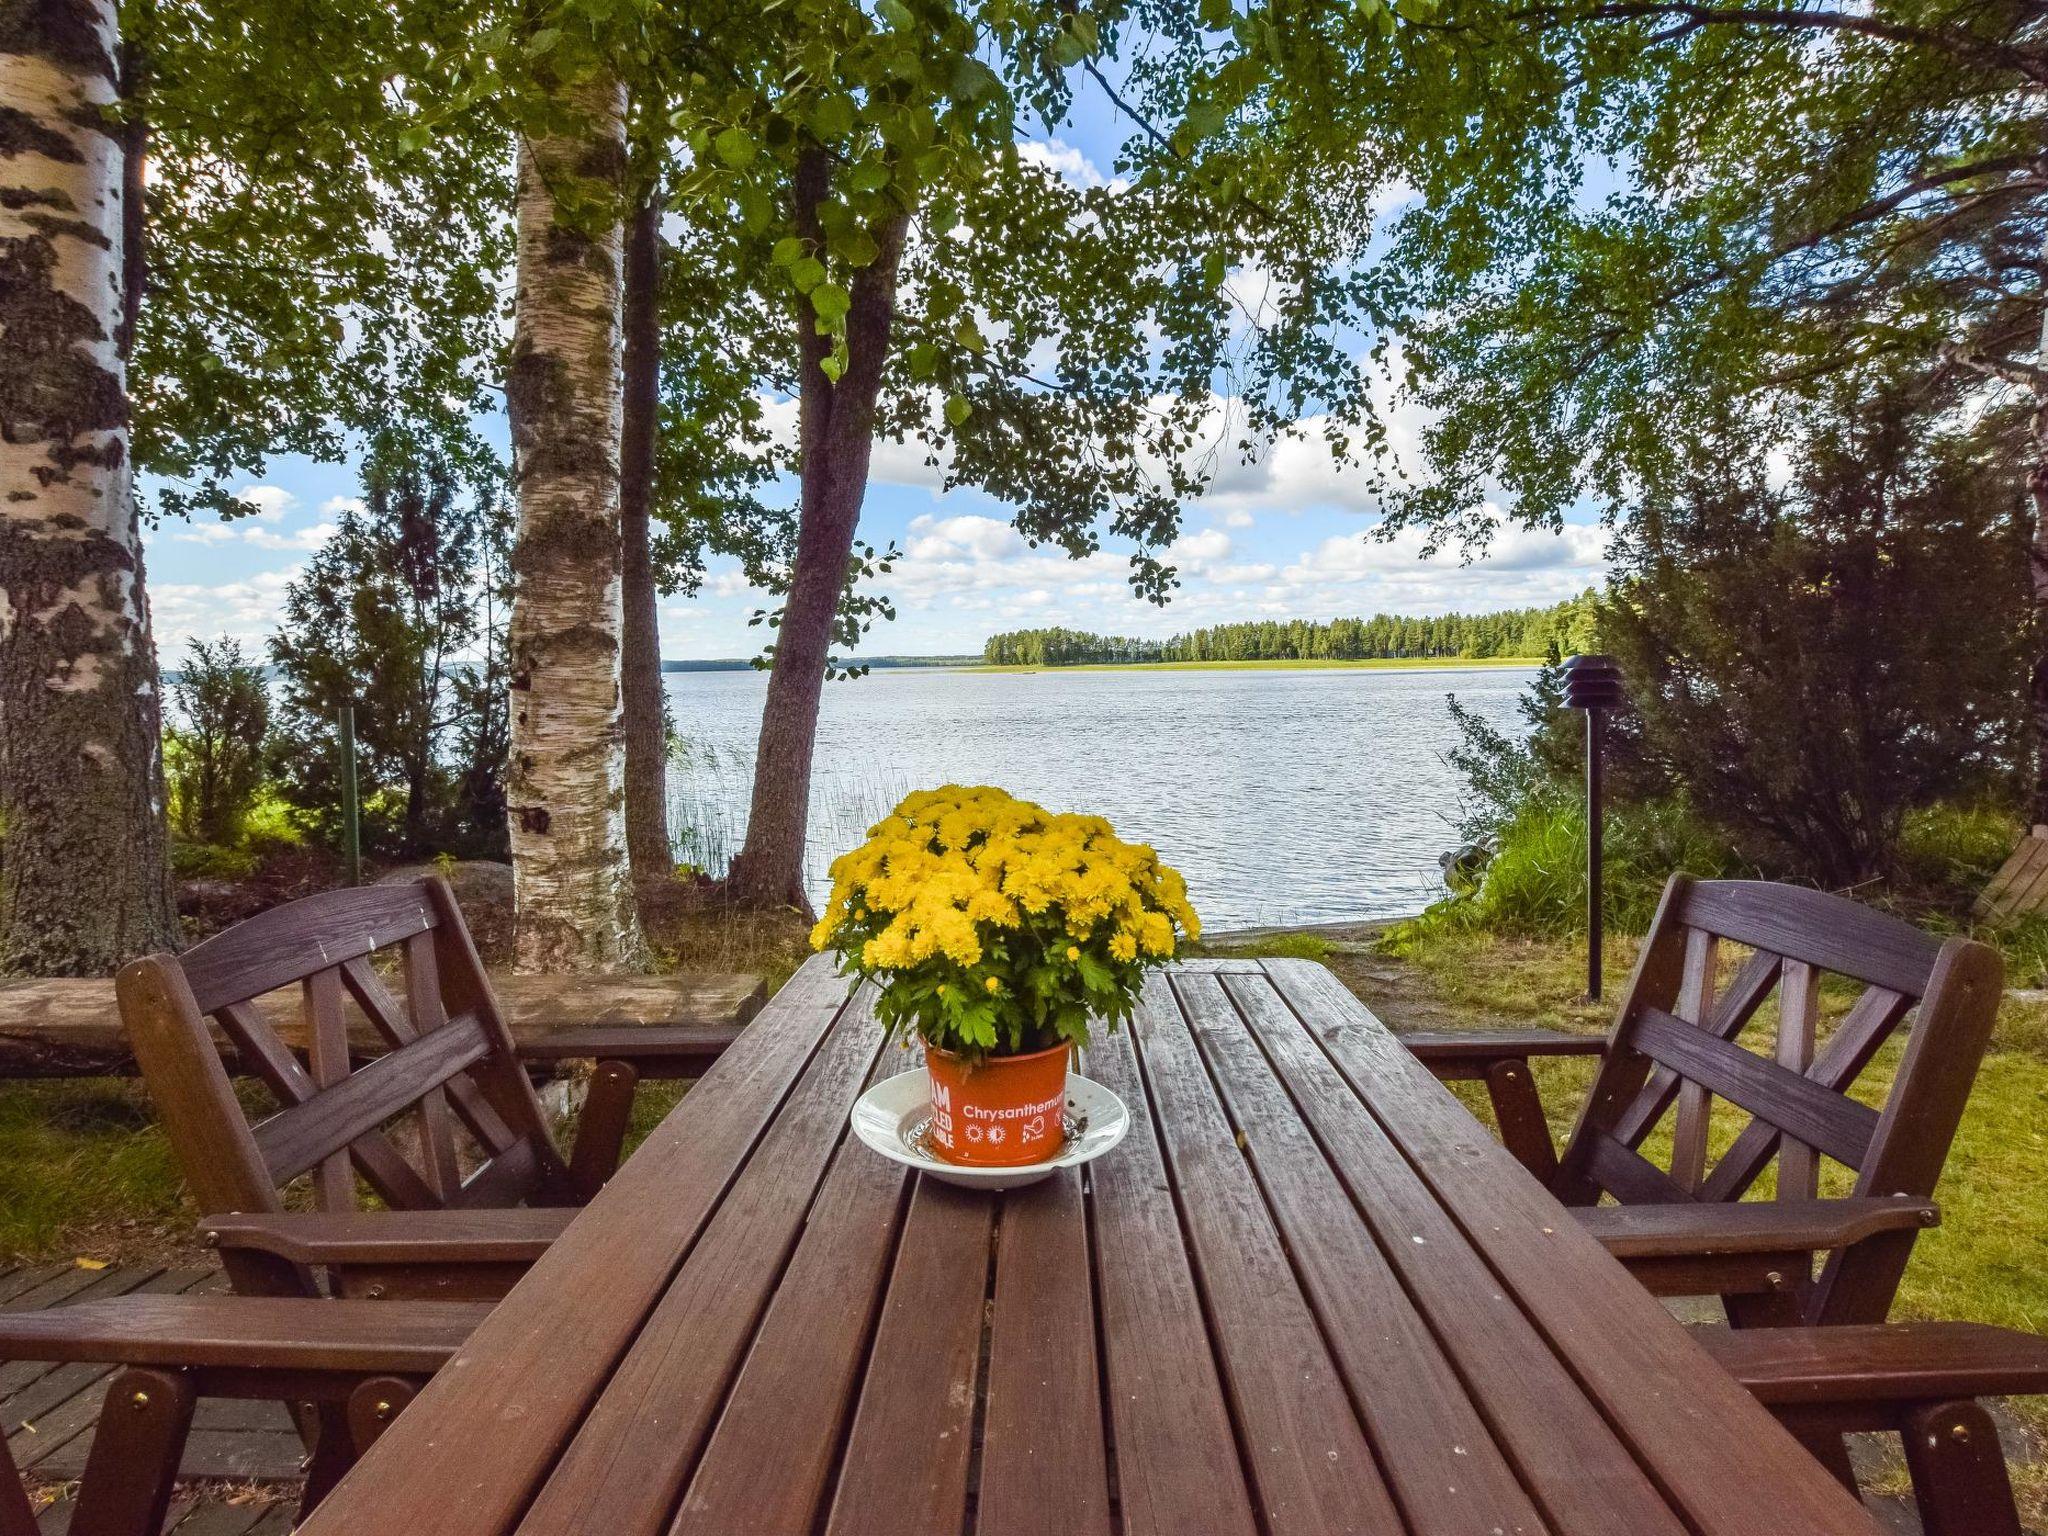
point(213, 758)
point(1535, 886)
point(1955, 849)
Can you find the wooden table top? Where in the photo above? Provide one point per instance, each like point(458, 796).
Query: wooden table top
point(1308, 1294)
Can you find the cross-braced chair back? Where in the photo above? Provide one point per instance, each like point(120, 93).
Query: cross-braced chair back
point(448, 1062)
point(1676, 1044)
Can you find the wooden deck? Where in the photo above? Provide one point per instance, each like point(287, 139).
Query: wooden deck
point(48, 1412)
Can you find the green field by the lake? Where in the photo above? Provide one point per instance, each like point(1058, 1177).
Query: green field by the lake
point(1370, 664)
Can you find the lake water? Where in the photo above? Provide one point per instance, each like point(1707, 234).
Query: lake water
point(1282, 796)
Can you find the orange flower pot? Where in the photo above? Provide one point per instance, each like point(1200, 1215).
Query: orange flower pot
point(1000, 1112)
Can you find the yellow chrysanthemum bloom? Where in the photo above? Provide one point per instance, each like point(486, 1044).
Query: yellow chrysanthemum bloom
point(959, 882)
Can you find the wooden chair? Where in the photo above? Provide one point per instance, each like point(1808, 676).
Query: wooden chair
point(1922, 1381)
point(361, 1362)
point(1686, 1229)
point(482, 1188)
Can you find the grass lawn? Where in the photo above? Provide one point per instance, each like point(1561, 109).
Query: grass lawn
point(1986, 1262)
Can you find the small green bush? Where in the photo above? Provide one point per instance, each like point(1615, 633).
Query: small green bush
point(1956, 849)
point(210, 861)
point(1535, 886)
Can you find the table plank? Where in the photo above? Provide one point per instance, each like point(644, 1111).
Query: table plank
point(1441, 1461)
point(768, 1468)
point(1585, 1479)
point(1313, 1468)
point(1688, 1421)
point(486, 1429)
point(908, 1455)
point(1177, 1461)
point(642, 1437)
point(1044, 1466)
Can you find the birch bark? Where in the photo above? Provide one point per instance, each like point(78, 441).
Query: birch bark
point(566, 783)
point(84, 871)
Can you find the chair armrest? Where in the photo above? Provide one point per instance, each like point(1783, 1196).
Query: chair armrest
point(655, 1050)
point(1880, 1362)
point(515, 1236)
point(1751, 1226)
point(263, 1333)
point(1484, 1045)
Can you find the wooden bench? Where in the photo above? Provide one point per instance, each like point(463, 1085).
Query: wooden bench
point(362, 1359)
point(71, 1027)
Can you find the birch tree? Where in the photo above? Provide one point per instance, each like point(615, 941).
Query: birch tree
point(84, 879)
point(566, 782)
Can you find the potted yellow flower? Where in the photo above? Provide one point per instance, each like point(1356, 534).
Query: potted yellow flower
point(1000, 933)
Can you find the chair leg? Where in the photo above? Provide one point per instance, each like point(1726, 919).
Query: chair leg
point(17, 1515)
point(133, 1463)
point(1831, 1450)
point(1958, 1467)
point(601, 1130)
point(334, 1452)
point(1519, 1112)
point(374, 1404)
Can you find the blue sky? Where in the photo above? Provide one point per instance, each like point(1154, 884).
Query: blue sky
point(1283, 538)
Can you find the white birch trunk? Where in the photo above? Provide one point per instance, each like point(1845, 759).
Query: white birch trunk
point(84, 878)
point(566, 784)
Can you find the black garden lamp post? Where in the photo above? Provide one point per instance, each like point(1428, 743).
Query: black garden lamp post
point(1592, 683)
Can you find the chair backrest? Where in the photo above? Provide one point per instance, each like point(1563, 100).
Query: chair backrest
point(448, 1062)
point(1675, 1046)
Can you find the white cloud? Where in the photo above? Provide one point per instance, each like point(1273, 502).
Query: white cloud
point(980, 557)
point(1522, 567)
point(1237, 517)
point(209, 533)
point(1063, 159)
point(269, 502)
point(310, 537)
point(893, 463)
point(1196, 554)
point(246, 610)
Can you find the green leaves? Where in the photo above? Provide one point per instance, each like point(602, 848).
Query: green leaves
point(833, 117)
point(958, 410)
point(831, 302)
point(807, 272)
point(736, 147)
point(855, 247)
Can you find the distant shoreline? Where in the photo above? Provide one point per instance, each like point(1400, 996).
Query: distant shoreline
point(967, 664)
point(1368, 664)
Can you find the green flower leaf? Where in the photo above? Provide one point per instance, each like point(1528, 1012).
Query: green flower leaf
point(958, 410)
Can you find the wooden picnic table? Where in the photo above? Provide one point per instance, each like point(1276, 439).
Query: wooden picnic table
point(1308, 1294)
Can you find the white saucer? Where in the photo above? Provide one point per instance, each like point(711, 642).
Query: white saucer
point(892, 1117)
